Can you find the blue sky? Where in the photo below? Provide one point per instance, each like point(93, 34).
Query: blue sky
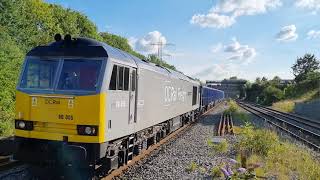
point(214, 39)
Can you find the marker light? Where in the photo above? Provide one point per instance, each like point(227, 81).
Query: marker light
point(88, 130)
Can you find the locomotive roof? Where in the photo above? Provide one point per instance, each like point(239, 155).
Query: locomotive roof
point(86, 47)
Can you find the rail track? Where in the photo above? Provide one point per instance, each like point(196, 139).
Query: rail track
point(6, 162)
point(301, 128)
point(6, 151)
point(8, 166)
point(225, 125)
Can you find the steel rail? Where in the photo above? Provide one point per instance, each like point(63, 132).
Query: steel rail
point(254, 111)
point(309, 122)
point(225, 125)
point(284, 121)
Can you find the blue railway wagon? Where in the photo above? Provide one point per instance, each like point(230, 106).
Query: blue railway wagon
point(210, 96)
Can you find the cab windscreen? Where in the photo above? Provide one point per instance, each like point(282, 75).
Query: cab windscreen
point(39, 74)
point(79, 75)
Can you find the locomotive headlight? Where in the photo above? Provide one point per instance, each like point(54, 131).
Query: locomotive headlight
point(24, 125)
point(21, 124)
point(87, 130)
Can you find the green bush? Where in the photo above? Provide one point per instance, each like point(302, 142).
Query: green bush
point(271, 94)
point(233, 107)
point(258, 141)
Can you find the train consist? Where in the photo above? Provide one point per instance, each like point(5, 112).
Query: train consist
point(83, 103)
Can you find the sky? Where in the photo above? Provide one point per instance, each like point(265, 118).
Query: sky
point(213, 39)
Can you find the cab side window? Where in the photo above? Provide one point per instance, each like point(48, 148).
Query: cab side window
point(126, 79)
point(113, 81)
point(119, 78)
point(133, 81)
point(194, 95)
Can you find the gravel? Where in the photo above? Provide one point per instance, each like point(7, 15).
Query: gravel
point(171, 160)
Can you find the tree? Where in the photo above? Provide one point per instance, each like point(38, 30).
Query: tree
point(271, 94)
point(264, 79)
point(154, 59)
point(304, 65)
point(258, 80)
point(276, 81)
point(116, 41)
point(10, 62)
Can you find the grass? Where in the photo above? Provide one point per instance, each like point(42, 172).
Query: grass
point(285, 106)
point(282, 160)
point(289, 104)
point(234, 109)
point(286, 160)
point(221, 147)
point(216, 172)
point(242, 116)
point(192, 167)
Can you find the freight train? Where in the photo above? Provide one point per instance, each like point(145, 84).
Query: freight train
point(83, 103)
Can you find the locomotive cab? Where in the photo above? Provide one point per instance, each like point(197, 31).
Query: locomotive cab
point(60, 105)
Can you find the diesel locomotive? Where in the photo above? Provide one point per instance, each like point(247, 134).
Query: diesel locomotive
point(82, 103)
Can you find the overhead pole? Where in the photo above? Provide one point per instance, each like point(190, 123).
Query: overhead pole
point(160, 45)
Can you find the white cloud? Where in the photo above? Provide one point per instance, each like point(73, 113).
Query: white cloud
point(308, 4)
point(212, 20)
point(312, 34)
point(287, 33)
point(225, 12)
point(146, 44)
point(240, 52)
point(245, 7)
point(216, 71)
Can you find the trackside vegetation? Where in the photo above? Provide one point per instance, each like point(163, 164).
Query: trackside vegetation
point(234, 110)
point(283, 94)
point(260, 154)
point(276, 158)
point(25, 24)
